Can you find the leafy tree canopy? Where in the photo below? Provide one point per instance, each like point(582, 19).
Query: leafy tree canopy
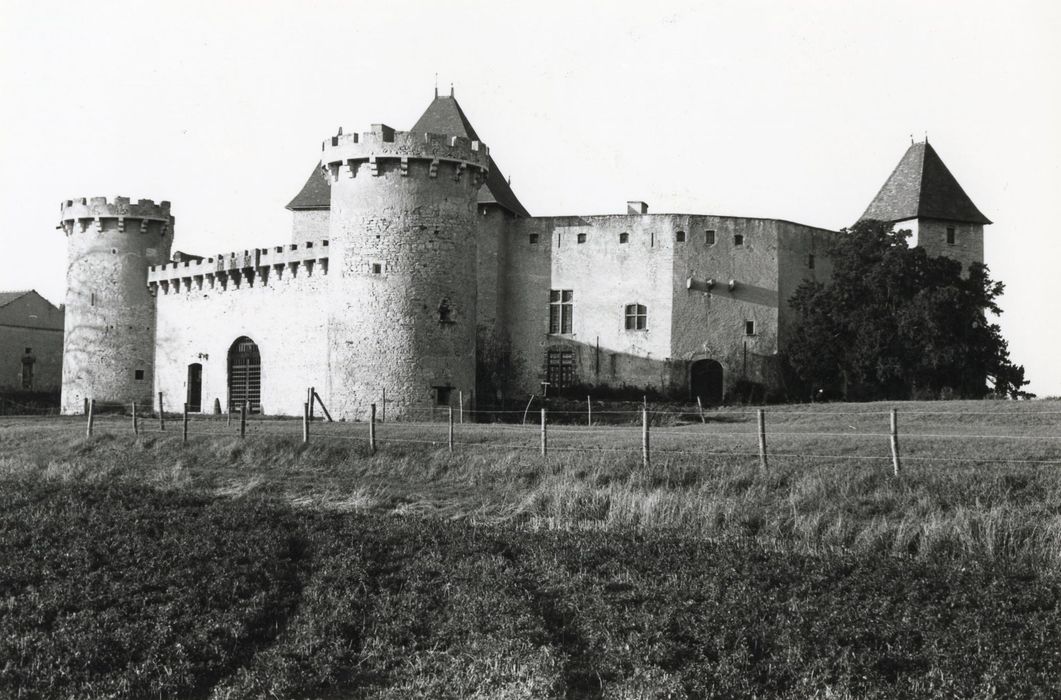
point(893, 322)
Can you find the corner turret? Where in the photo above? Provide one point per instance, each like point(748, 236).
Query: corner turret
point(923, 197)
point(109, 334)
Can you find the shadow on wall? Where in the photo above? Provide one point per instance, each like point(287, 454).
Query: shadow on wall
point(570, 369)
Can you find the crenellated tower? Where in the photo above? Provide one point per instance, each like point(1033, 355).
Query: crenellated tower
point(402, 277)
point(109, 336)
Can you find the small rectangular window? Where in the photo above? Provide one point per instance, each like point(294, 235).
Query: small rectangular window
point(442, 395)
point(636, 317)
point(377, 268)
point(810, 261)
point(624, 237)
point(709, 237)
point(138, 374)
point(533, 239)
point(749, 328)
point(679, 237)
point(29, 351)
point(950, 235)
point(738, 239)
point(581, 238)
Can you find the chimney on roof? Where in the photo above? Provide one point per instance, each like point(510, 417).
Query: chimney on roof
point(636, 208)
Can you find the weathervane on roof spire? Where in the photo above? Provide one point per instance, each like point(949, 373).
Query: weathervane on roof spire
point(451, 89)
point(911, 135)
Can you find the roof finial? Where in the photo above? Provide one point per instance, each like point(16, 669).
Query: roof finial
point(911, 135)
point(436, 86)
point(451, 89)
point(926, 136)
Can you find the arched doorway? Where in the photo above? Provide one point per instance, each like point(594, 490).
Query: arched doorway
point(195, 387)
point(244, 375)
point(705, 381)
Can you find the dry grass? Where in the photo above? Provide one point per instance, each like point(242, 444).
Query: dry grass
point(972, 487)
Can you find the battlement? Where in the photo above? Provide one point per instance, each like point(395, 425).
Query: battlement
point(239, 269)
point(346, 152)
point(119, 208)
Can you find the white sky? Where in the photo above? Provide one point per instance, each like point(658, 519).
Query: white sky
point(790, 110)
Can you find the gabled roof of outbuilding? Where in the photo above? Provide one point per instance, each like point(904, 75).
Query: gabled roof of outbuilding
point(8, 297)
point(921, 187)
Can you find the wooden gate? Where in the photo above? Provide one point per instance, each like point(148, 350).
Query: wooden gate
point(244, 375)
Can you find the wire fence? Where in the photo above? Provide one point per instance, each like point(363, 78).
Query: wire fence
point(892, 437)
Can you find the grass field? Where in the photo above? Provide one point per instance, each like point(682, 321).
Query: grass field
point(140, 566)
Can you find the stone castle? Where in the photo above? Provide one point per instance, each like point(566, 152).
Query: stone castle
point(415, 271)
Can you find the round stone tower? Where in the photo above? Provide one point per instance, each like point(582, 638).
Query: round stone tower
point(402, 237)
point(109, 336)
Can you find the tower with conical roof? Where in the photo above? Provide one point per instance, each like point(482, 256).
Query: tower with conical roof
point(922, 196)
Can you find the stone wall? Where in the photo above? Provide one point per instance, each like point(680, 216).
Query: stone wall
point(283, 314)
point(309, 224)
point(109, 337)
point(653, 267)
point(402, 287)
point(931, 235)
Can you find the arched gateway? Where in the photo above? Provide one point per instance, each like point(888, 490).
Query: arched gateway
point(705, 381)
point(244, 375)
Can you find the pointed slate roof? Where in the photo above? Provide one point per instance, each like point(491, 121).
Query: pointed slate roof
point(315, 194)
point(921, 187)
point(445, 116)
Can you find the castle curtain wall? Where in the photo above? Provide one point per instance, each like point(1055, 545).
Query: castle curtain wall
point(284, 315)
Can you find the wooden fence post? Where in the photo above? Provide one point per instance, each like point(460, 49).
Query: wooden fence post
point(545, 439)
point(136, 424)
point(243, 419)
point(161, 413)
point(307, 409)
point(383, 406)
point(895, 442)
point(460, 398)
point(86, 406)
point(184, 425)
point(309, 399)
point(589, 411)
point(323, 407)
point(372, 429)
point(450, 428)
point(89, 411)
point(701, 407)
point(644, 437)
point(762, 439)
